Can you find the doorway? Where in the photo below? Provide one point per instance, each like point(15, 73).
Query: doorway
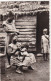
point(42, 22)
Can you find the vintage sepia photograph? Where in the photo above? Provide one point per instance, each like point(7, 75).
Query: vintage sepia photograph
point(24, 41)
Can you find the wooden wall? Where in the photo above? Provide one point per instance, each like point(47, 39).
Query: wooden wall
point(27, 28)
point(2, 37)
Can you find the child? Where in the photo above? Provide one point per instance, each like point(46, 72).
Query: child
point(45, 44)
point(15, 55)
point(10, 29)
point(28, 59)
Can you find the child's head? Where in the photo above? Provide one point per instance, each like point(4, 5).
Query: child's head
point(10, 16)
point(15, 38)
point(24, 48)
point(44, 31)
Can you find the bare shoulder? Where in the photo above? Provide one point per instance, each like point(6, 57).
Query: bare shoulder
point(42, 36)
point(47, 35)
point(4, 22)
point(10, 45)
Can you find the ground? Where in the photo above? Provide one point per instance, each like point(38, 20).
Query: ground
point(40, 73)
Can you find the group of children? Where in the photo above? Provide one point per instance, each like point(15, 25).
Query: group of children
point(18, 55)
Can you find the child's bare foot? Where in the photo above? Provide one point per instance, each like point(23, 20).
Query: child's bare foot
point(8, 66)
point(31, 68)
point(19, 71)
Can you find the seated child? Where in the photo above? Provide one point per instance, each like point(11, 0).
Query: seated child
point(14, 53)
point(28, 59)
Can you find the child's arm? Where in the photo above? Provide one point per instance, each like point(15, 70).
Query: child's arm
point(10, 50)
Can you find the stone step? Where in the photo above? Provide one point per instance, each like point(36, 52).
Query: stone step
point(39, 55)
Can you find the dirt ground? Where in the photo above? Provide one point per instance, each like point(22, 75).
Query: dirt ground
point(40, 73)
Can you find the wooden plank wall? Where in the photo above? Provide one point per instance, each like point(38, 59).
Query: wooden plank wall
point(27, 28)
point(2, 37)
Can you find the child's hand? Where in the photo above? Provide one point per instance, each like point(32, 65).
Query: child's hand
point(17, 53)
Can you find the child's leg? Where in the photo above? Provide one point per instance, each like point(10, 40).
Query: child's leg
point(18, 70)
point(16, 67)
point(46, 56)
point(8, 57)
point(43, 56)
point(31, 68)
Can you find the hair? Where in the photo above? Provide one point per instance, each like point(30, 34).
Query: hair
point(25, 46)
point(45, 29)
point(10, 20)
point(14, 41)
point(10, 16)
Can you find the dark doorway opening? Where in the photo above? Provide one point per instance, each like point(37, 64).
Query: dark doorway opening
point(42, 22)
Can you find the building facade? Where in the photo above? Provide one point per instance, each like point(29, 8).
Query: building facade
point(30, 19)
